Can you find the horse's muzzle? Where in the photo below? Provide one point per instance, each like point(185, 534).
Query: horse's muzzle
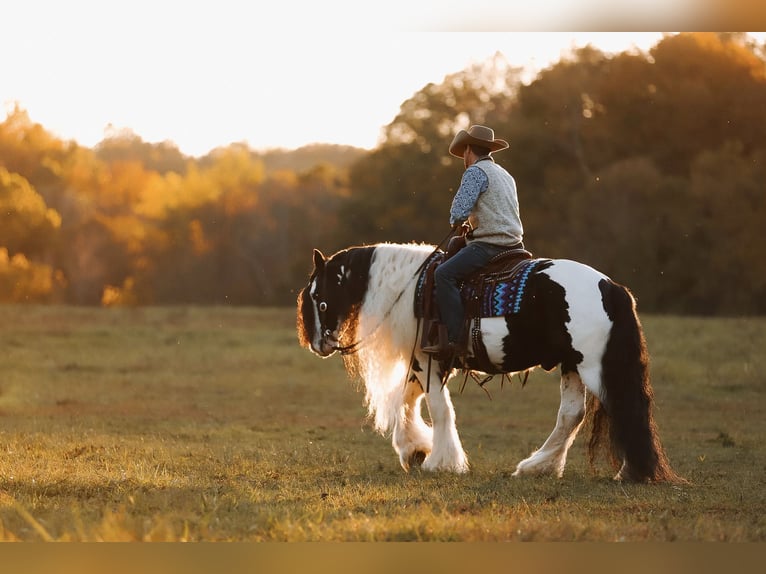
point(326, 346)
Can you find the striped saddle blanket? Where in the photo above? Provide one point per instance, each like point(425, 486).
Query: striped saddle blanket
point(496, 291)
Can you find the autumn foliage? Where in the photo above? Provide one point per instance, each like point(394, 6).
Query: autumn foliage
point(649, 166)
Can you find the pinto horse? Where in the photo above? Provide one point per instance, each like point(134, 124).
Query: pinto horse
point(359, 302)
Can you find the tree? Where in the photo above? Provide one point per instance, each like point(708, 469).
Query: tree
point(629, 226)
point(726, 214)
point(706, 89)
point(124, 145)
point(28, 227)
point(27, 149)
point(27, 224)
point(25, 281)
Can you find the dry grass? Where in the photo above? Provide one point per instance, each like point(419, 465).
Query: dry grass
point(212, 424)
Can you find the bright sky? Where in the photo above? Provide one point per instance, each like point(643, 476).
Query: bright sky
point(208, 73)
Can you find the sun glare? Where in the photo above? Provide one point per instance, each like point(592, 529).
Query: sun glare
point(206, 77)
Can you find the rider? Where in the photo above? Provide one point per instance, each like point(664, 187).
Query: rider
point(487, 202)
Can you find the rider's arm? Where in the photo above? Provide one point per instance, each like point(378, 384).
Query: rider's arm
point(474, 182)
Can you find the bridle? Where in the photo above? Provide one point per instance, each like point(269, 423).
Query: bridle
point(325, 331)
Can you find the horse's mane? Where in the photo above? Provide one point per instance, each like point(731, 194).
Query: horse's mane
point(387, 328)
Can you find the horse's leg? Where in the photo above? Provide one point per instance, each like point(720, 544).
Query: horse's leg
point(552, 456)
point(447, 452)
point(412, 437)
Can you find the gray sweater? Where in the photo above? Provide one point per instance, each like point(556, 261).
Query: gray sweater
point(495, 216)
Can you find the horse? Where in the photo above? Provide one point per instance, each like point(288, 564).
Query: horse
point(359, 303)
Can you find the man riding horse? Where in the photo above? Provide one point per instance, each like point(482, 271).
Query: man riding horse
point(487, 207)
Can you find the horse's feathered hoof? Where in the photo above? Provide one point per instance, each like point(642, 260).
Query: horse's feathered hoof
point(416, 458)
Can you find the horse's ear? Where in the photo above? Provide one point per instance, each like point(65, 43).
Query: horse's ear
point(319, 260)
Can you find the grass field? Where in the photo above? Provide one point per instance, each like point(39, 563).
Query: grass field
point(212, 424)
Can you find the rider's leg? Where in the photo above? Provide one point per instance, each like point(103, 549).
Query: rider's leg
point(447, 277)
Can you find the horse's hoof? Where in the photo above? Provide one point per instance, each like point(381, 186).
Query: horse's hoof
point(417, 458)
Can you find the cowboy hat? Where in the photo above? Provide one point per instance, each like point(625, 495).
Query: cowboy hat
point(476, 135)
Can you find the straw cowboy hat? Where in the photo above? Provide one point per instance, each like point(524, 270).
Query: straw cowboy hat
point(476, 135)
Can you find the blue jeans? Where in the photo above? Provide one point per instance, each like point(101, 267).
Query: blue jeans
point(448, 275)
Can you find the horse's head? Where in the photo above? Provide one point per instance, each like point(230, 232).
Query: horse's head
point(328, 305)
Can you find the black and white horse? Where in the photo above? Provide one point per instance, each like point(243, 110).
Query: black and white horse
point(360, 302)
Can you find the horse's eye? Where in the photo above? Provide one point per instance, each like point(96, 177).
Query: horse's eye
point(323, 306)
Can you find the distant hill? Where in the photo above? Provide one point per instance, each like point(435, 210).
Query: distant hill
point(306, 157)
point(124, 145)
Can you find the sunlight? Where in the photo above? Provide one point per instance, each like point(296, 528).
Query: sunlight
point(206, 77)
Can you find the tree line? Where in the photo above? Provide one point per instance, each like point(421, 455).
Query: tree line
point(649, 166)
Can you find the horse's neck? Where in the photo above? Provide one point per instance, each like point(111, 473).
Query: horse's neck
point(394, 271)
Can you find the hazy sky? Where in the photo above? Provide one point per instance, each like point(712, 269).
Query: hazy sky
point(208, 73)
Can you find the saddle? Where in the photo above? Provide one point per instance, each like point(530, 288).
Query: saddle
point(494, 291)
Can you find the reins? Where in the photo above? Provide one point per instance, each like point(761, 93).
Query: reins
point(356, 345)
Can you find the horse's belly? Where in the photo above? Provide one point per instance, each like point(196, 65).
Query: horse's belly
point(493, 332)
point(514, 352)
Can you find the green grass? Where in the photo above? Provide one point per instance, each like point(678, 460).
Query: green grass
point(213, 424)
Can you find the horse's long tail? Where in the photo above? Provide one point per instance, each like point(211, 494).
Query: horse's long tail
point(625, 413)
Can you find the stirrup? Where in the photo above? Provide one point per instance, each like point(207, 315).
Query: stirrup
point(435, 330)
point(446, 350)
point(443, 349)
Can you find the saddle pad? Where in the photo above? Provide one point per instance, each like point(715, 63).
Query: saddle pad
point(502, 294)
point(496, 294)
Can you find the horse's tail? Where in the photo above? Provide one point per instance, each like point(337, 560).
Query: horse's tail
point(625, 412)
